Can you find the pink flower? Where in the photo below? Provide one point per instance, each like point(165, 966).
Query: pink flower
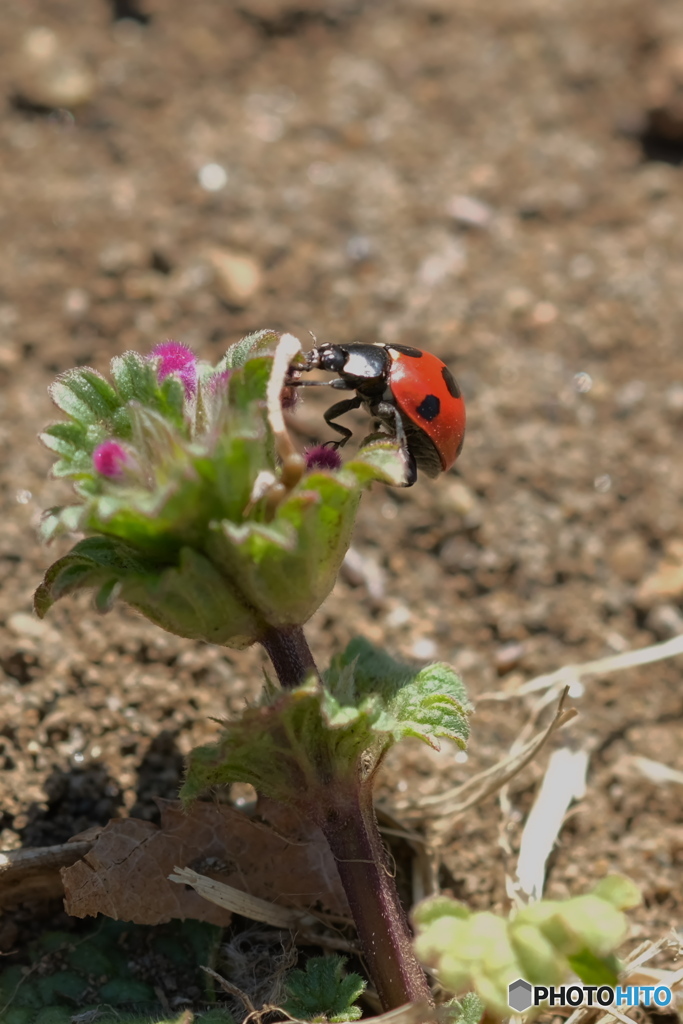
point(323, 456)
point(109, 458)
point(175, 357)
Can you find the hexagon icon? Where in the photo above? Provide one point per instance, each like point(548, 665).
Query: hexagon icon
point(519, 995)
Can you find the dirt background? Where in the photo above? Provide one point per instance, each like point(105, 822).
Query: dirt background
point(496, 183)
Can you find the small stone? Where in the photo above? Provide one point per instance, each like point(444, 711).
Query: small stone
point(666, 582)
point(449, 261)
point(50, 75)
point(470, 212)
point(118, 257)
point(628, 558)
point(238, 276)
point(665, 621)
point(212, 177)
point(144, 284)
point(10, 354)
point(360, 568)
point(23, 624)
point(544, 313)
point(456, 497)
point(673, 398)
point(517, 299)
point(76, 302)
point(508, 656)
point(630, 395)
point(424, 649)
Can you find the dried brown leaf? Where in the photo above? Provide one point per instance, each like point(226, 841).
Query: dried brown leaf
point(125, 874)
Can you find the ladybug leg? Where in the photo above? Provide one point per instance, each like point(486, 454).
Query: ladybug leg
point(388, 412)
point(338, 410)
point(340, 385)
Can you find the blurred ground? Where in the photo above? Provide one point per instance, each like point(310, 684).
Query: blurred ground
point(479, 180)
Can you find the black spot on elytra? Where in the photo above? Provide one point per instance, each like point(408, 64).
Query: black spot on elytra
point(429, 408)
point(406, 350)
point(451, 383)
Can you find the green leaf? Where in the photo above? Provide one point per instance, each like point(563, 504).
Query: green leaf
point(58, 520)
point(595, 970)
point(191, 599)
point(540, 943)
point(135, 377)
point(288, 567)
point(54, 1015)
point(122, 991)
point(322, 992)
point(620, 891)
point(466, 1010)
point(253, 344)
point(61, 987)
point(294, 743)
point(437, 907)
point(84, 395)
point(379, 461)
point(429, 703)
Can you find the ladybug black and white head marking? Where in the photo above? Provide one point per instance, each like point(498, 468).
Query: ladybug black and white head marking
point(409, 391)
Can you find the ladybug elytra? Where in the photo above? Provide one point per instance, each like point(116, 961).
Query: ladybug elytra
point(405, 389)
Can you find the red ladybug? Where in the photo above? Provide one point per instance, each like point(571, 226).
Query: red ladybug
point(410, 391)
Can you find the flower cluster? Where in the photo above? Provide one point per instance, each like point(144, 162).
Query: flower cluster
point(194, 505)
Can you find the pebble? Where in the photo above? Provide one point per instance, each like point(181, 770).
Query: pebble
point(118, 257)
point(76, 302)
point(24, 624)
point(457, 498)
point(470, 212)
point(665, 621)
point(10, 354)
point(212, 177)
point(238, 276)
point(628, 558)
point(144, 284)
point(423, 649)
point(508, 656)
point(360, 568)
point(666, 582)
point(50, 75)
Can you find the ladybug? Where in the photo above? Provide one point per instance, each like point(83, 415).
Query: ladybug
point(405, 389)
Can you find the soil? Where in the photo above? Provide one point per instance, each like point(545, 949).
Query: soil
point(485, 181)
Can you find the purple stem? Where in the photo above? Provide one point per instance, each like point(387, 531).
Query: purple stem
point(353, 835)
point(290, 654)
point(347, 819)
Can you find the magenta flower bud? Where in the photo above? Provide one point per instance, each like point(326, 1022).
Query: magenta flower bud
point(109, 458)
point(322, 457)
point(174, 357)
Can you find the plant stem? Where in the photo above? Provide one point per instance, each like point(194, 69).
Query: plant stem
point(383, 930)
point(290, 654)
point(344, 811)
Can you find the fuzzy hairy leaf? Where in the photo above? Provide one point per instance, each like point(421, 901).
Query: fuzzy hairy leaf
point(466, 1010)
point(322, 992)
point(429, 703)
point(280, 745)
point(288, 567)
point(191, 599)
point(253, 344)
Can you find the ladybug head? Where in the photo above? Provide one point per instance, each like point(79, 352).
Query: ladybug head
point(328, 357)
